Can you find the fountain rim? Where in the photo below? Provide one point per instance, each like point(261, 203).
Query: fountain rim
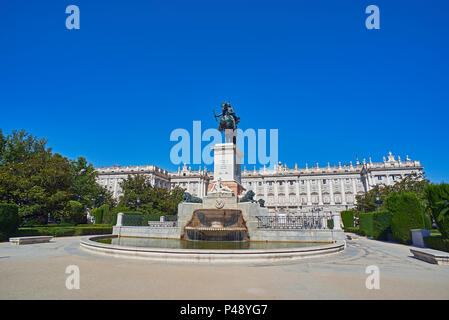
point(210, 255)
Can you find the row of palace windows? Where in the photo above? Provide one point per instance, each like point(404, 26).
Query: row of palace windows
point(291, 182)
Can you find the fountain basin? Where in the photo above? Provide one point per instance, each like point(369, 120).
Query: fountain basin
point(297, 251)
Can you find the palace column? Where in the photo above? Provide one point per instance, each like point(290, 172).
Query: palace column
point(309, 198)
point(298, 198)
point(343, 192)
point(320, 196)
point(331, 191)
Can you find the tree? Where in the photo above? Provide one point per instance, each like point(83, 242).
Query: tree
point(438, 204)
point(19, 146)
point(85, 188)
point(140, 195)
point(415, 182)
point(39, 185)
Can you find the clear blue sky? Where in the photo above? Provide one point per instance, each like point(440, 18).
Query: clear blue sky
point(115, 89)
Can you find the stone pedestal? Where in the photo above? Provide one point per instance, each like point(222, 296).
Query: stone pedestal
point(227, 166)
point(418, 235)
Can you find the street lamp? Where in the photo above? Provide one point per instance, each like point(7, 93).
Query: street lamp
point(378, 201)
point(138, 203)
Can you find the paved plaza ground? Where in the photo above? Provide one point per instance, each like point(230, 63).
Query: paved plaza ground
point(37, 271)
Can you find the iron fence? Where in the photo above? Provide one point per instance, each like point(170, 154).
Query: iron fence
point(292, 222)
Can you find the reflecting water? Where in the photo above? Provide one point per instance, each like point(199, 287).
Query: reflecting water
point(188, 244)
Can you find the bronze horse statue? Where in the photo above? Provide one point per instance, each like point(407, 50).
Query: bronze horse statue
point(228, 121)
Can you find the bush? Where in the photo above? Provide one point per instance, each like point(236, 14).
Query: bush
point(9, 219)
point(437, 243)
point(32, 215)
point(352, 229)
point(366, 223)
point(76, 213)
point(375, 224)
point(64, 231)
point(438, 197)
point(347, 217)
point(407, 212)
point(101, 213)
point(381, 225)
point(330, 223)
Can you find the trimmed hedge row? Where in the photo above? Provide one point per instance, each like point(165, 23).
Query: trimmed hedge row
point(375, 224)
point(9, 220)
point(437, 243)
point(407, 212)
point(347, 216)
point(63, 231)
point(352, 229)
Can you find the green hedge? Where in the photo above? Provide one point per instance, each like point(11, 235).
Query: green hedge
point(9, 219)
point(437, 243)
point(330, 224)
point(407, 212)
point(375, 224)
point(366, 223)
point(63, 231)
point(381, 225)
point(352, 229)
point(437, 197)
point(347, 216)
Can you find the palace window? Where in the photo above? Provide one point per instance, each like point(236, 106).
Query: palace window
point(291, 182)
point(302, 181)
point(281, 183)
point(260, 183)
point(324, 181)
point(270, 183)
point(348, 180)
point(335, 180)
point(313, 181)
point(379, 177)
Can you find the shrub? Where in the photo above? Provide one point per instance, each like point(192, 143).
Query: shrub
point(64, 231)
point(366, 223)
point(347, 217)
point(407, 212)
point(330, 224)
point(438, 198)
point(437, 243)
point(375, 224)
point(76, 213)
point(9, 219)
point(381, 225)
point(100, 214)
point(352, 229)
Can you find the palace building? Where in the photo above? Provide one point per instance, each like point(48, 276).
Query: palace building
point(285, 191)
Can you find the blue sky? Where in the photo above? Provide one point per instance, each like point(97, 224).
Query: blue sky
point(136, 70)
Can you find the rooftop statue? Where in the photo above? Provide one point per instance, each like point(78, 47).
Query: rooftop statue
point(228, 121)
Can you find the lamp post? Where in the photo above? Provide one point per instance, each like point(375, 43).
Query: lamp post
point(138, 203)
point(378, 201)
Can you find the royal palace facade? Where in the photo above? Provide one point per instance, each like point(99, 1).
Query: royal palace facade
point(285, 190)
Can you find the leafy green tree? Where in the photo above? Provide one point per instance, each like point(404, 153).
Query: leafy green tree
point(438, 204)
point(19, 146)
point(415, 182)
point(85, 188)
point(39, 185)
point(140, 195)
